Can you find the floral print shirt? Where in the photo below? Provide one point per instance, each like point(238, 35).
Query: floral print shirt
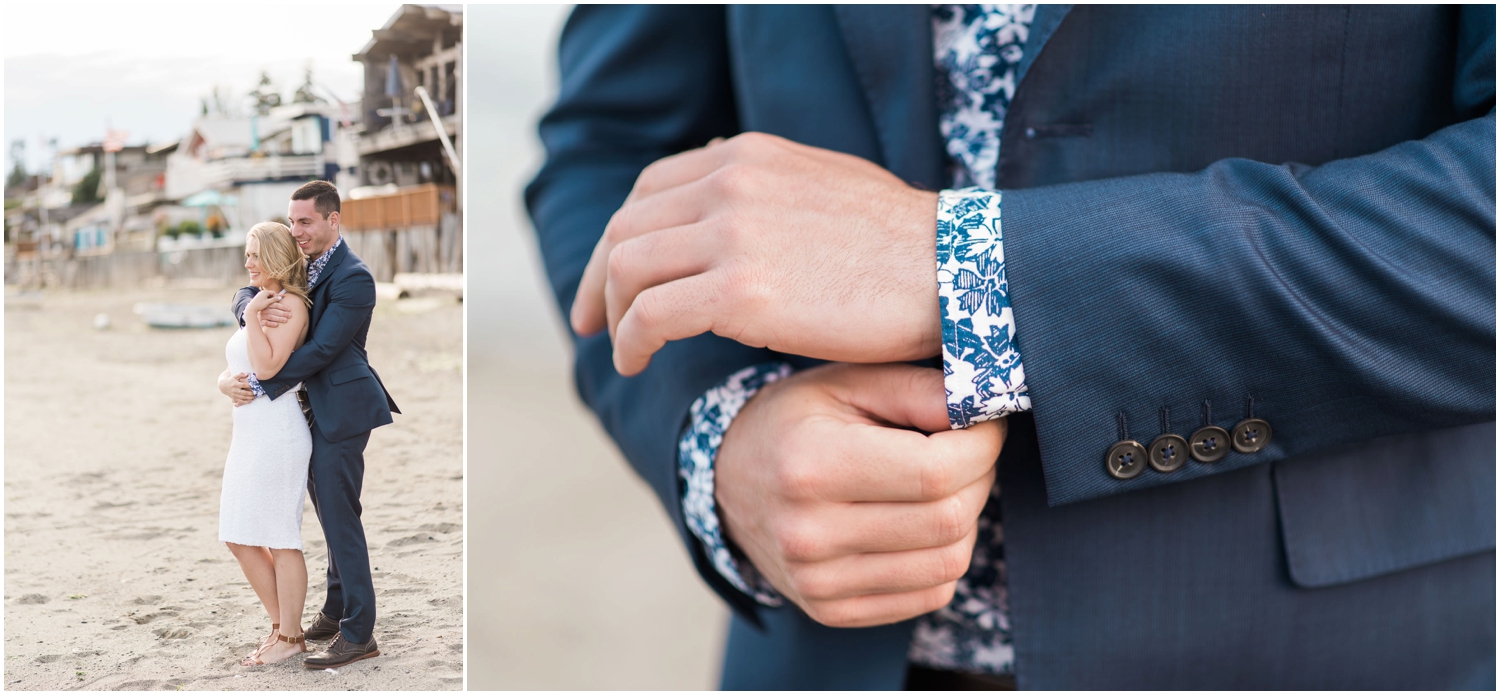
point(977, 53)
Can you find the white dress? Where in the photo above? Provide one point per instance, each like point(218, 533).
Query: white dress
point(265, 476)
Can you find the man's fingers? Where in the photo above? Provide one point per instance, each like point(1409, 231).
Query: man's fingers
point(883, 573)
point(877, 463)
point(978, 442)
point(642, 213)
point(880, 609)
point(587, 315)
point(650, 260)
point(673, 311)
point(899, 394)
point(883, 527)
point(678, 169)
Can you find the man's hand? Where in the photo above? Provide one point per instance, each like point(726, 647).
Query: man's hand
point(855, 518)
point(771, 243)
point(237, 387)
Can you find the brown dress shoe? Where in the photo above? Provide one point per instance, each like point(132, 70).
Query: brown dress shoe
point(323, 628)
point(342, 652)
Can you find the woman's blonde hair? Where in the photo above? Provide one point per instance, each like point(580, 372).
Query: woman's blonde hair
point(280, 259)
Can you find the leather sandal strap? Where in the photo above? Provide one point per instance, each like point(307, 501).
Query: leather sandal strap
point(275, 626)
point(291, 640)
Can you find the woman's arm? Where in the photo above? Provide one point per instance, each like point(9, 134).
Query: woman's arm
point(269, 347)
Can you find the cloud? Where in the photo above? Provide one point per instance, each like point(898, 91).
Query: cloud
point(144, 68)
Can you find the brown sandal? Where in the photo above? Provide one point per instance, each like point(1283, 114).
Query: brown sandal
point(299, 640)
point(264, 641)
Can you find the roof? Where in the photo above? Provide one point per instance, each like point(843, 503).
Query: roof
point(96, 148)
point(411, 24)
point(223, 132)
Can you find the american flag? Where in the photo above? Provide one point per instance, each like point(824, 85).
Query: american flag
point(114, 140)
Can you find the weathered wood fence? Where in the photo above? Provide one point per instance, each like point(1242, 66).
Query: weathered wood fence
point(424, 249)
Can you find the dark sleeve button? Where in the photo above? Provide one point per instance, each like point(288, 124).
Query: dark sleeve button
point(1167, 453)
point(1126, 459)
point(1251, 435)
point(1209, 444)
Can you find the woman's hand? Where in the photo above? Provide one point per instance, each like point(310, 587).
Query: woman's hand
point(264, 299)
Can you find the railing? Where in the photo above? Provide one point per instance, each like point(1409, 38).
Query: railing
point(414, 206)
point(185, 178)
point(187, 242)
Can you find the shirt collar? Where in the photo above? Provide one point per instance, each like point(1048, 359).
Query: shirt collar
point(315, 268)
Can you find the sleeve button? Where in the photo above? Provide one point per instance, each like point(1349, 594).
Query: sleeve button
point(1251, 435)
point(1168, 452)
point(1209, 444)
point(1126, 459)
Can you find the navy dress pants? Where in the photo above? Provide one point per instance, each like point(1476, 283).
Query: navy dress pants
point(334, 481)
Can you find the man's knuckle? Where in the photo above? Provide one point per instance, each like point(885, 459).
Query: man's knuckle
point(731, 180)
point(799, 479)
point(954, 562)
point(753, 141)
point(646, 181)
point(798, 542)
point(934, 598)
point(833, 613)
point(619, 261)
point(936, 478)
point(616, 229)
point(647, 309)
point(951, 519)
point(726, 233)
point(810, 583)
point(748, 290)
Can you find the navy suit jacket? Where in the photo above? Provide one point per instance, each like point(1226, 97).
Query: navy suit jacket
point(1202, 206)
point(347, 395)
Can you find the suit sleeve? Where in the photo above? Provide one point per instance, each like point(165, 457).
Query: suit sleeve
point(637, 84)
point(242, 298)
point(351, 299)
point(1339, 303)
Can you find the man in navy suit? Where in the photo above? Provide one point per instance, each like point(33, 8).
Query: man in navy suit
point(1224, 274)
point(344, 400)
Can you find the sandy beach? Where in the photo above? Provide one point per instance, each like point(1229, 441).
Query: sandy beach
point(114, 451)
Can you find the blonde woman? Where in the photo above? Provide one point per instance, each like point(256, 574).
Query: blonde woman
point(265, 475)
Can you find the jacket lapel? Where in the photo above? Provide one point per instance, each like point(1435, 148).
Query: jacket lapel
point(324, 277)
point(890, 47)
point(1043, 24)
point(333, 262)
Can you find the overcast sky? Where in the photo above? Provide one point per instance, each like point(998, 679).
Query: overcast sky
point(70, 70)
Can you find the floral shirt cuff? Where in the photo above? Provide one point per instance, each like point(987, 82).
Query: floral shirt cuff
point(255, 386)
point(696, 451)
point(981, 368)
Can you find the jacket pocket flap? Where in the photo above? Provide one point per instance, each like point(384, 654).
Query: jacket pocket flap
point(348, 374)
point(1387, 505)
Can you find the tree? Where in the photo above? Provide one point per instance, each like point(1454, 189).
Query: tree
point(17, 175)
point(305, 93)
point(265, 95)
point(87, 188)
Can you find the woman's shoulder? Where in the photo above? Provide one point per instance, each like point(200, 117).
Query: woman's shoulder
point(299, 308)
